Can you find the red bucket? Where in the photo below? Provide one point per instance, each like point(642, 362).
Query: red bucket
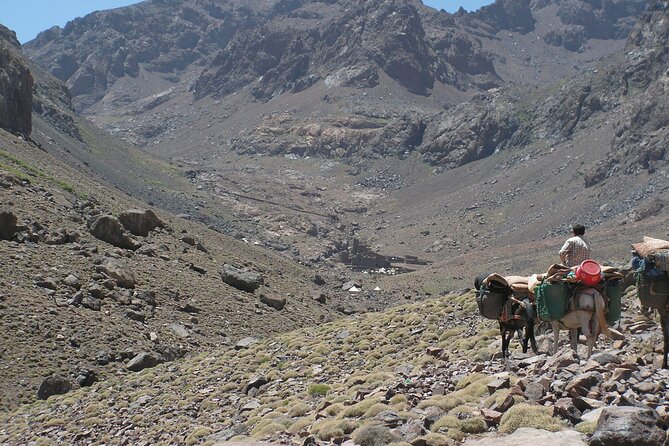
point(589, 272)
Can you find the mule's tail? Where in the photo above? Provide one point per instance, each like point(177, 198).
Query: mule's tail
point(601, 318)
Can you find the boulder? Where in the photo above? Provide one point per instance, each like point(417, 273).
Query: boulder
point(53, 385)
point(562, 359)
point(119, 271)
point(255, 382)
point(143, 361)
point(319, 297)
point(72, 281)
point(7, 225)
point(276, 302)
point(140, 222)
point(243, 280)
point(91, 303)
point(109, 229)
point(565, 408)
point(627, 426)
point(498, 384)
point(245, 343)
point(581, 384)
point(86, 378)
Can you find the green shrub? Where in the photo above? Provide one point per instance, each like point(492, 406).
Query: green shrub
point(298, 409)
point(197, 434)
point(527, 415)
point(318, 389)
point(435, 440)
point(300, 425)
point(444, 402)
point(586, 427)
point(374, 436)
point(359, 409)
point(329, 429)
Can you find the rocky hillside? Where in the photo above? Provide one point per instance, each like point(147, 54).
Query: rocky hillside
point(418, 375)
point(118, 283)
point(124, 288)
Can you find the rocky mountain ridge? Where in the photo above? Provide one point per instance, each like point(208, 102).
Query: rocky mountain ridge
point(347, 61)
point(15, 85)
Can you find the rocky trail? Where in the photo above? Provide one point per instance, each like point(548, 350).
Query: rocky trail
point(420, 374)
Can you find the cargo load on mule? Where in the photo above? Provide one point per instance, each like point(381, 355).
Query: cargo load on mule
point(650, 262)
point(493, 292)
point(509, 300)
point(555, 291)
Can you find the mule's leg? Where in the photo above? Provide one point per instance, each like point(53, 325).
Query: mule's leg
point(591, 343)
point(507, 341)
point(502, 332)
point(521, 339)
point(525, 339)
point(556, 335)
point(664, 320)
point(573, 333)
point(530, 335)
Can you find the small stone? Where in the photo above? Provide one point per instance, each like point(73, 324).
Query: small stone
point(498, 384)
point(565, 408)
point(276, 302)
point(72, 281)
point(491, 417)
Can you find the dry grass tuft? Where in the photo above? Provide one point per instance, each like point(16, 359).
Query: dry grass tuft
point(527, 415)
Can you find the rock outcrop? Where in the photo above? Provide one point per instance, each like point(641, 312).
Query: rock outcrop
point(242, 279)
point(16, 83)
point(109, 229)
point(471, 131)
point(7, 224)
point(628, 425)
point(140, 222)
point(642, 134)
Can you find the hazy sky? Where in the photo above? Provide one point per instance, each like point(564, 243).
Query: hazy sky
point(29, 17)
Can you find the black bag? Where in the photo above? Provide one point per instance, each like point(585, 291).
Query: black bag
point(491, 298)
point(653, 290)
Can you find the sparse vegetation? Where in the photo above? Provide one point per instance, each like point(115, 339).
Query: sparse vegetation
point(526, 415)
point(318, 389)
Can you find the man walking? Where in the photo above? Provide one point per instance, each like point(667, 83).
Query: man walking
point(576, 249)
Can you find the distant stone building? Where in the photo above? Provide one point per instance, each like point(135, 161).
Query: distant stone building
point(361, 256)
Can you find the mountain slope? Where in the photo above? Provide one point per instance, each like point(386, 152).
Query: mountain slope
point(82, 297)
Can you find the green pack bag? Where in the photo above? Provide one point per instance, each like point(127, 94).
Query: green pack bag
point(614, 293)
point(552, 300)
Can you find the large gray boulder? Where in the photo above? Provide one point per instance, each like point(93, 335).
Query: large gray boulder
point(7, 225)
point(627, 426)
point(241, 279)
point(119, 271)
point(109, 229)
point(143, 361)
point(53, 385)
point(140, 222)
